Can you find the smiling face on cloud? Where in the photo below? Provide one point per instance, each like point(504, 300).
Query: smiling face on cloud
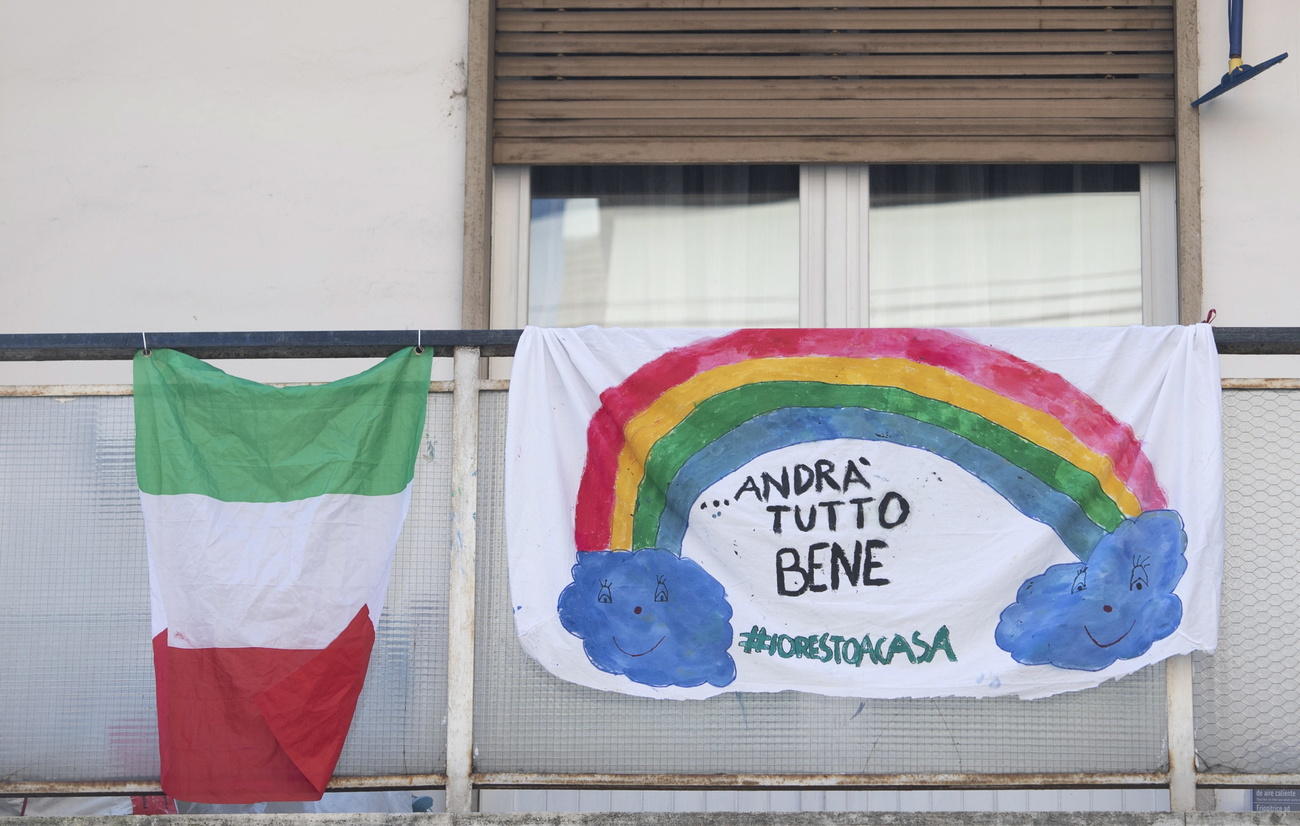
point(651, 615)
point(1087, 616)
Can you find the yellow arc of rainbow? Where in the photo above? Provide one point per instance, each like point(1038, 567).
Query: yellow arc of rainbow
point(675, 404)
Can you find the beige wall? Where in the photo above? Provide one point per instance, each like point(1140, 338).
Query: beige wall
point(1250, 175)
point(228, 165)
point(298, 164)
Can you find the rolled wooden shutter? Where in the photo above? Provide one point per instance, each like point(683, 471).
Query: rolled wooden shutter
point(718, 81)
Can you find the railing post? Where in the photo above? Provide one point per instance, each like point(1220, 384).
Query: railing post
point(460, 601)
point(1182, 733)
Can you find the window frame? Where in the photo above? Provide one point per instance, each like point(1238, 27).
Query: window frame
point(834, 241)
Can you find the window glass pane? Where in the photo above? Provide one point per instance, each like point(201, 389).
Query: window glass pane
point(1004, 245)
point(690, 246)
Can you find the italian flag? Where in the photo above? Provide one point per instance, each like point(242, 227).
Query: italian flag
point(271, 516)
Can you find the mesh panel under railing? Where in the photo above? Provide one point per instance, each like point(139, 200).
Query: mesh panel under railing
point(76, 676)
point(1248, 692)
point(529, 721)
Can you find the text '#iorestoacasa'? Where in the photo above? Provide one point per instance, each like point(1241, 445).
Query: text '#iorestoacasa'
point(842, 650)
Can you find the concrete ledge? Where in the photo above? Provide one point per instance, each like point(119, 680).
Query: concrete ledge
point(691, 819)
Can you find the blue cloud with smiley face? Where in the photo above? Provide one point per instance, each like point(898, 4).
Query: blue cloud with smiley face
point(655, 617)
point(1115, 606)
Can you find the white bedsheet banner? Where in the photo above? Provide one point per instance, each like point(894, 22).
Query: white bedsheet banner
point(871, 513)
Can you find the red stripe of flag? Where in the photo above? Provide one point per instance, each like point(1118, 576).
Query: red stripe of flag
point(243, 725)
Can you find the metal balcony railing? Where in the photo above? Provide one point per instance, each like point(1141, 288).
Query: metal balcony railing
point(502, 723)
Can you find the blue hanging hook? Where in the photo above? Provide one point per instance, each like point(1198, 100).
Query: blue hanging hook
point(1238, 71)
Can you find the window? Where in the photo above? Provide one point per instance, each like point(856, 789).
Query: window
point(829, 245)
point(689, 246)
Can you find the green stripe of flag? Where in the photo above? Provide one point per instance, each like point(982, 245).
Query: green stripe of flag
point(201, 430)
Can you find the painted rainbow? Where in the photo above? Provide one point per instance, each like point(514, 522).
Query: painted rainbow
point(688, 418)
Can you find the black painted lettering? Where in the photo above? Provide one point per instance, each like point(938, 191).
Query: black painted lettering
point(869, 564)
point(840, 562)
point(804, 478)
point(782, 485)
point(853, 476)
point(814, 566)
point(812, 517)
point(750, 486)
point(793, 567)
point(862, 513)
point(900, 507)
point(832, 513)
point(825, 467)
point(776, 511)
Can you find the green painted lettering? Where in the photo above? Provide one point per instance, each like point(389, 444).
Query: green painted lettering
point(941, 643)
point(899, 646)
